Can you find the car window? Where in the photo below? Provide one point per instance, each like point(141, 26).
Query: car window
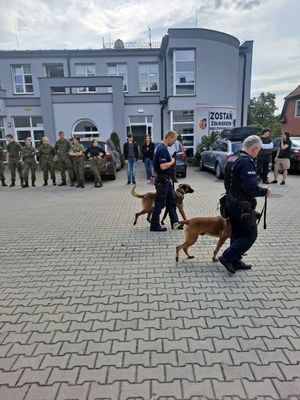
point(236, 146)
point(221, 147)
point(296, 143)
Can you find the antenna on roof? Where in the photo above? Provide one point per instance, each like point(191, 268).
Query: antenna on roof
point(150, 44)
point(196, 21)
point(16, 33)
point(103, 44)
point(108, 33)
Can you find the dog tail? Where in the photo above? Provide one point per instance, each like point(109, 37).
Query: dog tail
point(134, 194)
point(180, 223)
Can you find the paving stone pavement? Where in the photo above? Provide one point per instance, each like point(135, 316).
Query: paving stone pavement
point(92, 307)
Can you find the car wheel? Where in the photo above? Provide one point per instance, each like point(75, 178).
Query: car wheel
point(201, 165)
point(218, 171)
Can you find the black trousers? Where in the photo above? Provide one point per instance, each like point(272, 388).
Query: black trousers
point(263, 167)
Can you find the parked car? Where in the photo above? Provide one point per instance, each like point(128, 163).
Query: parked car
point(215, 158)
point(181, 161)
point(112, 160)
point(295, 152)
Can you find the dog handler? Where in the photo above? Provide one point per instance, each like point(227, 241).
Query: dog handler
point(241, 189)
point(165, 194)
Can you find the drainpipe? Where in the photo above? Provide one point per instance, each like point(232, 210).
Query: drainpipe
point(243, 87)
point(164, 101)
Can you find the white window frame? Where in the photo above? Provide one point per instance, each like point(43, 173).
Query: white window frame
point(86, 89)
point(148, 64)
point(125, 81)
point(188, 72)
point(192, 123)
point(2, 128)
point(30, 128)
point(297, 107)
point(24, 84)
point(47, 76)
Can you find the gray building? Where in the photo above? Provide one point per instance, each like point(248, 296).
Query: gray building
point(195, 82)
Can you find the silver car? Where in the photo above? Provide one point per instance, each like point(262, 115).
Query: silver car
point(216, 156)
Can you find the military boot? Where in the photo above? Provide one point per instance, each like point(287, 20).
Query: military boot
point(45, 182)
point(54, 182)
point(22, 182)
point(33, 183)
point(25, 185)
point(62, 183)
point(3, 182)
point(13, 183)
point(72, 183)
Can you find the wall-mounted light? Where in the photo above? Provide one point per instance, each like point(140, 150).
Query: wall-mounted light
point(140, 110)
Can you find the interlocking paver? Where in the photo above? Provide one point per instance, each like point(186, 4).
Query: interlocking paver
point(104, 312)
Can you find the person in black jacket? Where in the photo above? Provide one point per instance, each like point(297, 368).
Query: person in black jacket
point(282, 159)
point(241, 189)
point(131, 155)
point(264, 156)
point(148, 153)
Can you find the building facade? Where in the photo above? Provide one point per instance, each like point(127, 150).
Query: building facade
point(290, 114)
point(196, 82)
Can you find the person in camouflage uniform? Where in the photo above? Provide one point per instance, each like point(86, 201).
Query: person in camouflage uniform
point(2, 177)
point(46, 154)
point(62, 148)
point(95, 154)
point(14, 151)
point(29, 162)
point(77, 152)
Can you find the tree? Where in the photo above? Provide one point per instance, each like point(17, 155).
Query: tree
point(261, 110)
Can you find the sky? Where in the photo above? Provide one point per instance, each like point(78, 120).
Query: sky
point(273, 25)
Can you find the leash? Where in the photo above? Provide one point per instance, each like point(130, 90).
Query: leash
point(263, 212)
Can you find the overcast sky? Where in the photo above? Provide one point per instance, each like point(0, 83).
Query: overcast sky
point(273, 25)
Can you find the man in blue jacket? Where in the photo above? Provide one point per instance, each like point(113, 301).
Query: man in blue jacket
point(241, 189)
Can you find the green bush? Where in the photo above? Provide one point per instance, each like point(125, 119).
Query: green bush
point(206, 142)
point(114, 137)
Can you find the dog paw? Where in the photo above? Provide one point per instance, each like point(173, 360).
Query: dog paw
point(191, 257)
point(176, 259)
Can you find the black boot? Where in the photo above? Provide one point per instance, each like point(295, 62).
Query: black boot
point(3, 182)
point(13, 183)
point(62, 183)
point(72, 183)
point(22, 182)
point(33, 183)
point(53, 182)
point(25, 185)
point(45, 182)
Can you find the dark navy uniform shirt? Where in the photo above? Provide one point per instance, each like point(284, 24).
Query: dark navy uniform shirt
point(161, 156)
point(242, 184)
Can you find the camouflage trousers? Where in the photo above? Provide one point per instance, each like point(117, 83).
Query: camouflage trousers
point(15, 164)
point(96, 169)
point(29, 166)
point(2, 177)
point(48, 166)
point(65, 164)
point(78, 169)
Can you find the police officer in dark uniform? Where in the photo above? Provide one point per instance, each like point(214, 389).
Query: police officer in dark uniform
point(241, 189)
point(165, 194)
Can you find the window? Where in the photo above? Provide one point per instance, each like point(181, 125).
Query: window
point(119, 70)
point(55, 71)
point(2, 134)
point(148, 77)
point(184, 73)
point(22, 79)
point(182, 121)
point(85, 128)
point(297, 108)
point(29, 127)
point(85, 70)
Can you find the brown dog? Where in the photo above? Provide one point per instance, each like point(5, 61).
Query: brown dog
point(212, 226)
point(148, 200)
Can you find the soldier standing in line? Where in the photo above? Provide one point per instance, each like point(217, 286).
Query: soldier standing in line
point(95, 154)
point(14, 151)
point(46, 154)
point(2, 177)
point(77, 152)
point(29, 162)
point(62, 148)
